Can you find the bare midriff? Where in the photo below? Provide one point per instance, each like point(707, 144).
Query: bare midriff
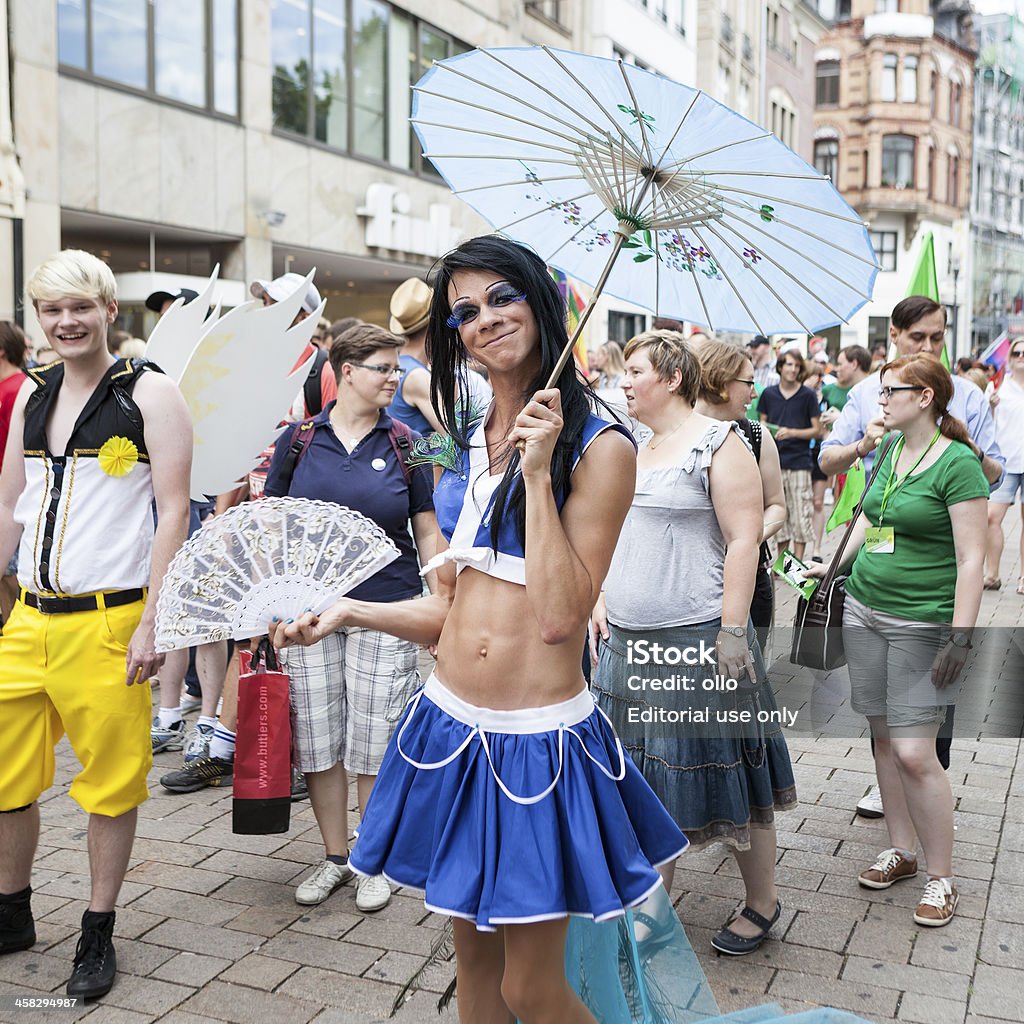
point(491, 653)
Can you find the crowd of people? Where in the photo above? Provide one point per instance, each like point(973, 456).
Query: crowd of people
point(529, 777)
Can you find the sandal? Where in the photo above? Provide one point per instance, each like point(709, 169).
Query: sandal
point(727, 941)
point(659, 934)
point(992, 583)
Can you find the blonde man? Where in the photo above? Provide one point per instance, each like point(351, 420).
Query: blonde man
point(94, 441)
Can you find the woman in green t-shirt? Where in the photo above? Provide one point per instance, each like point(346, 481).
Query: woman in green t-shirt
point(912, 600)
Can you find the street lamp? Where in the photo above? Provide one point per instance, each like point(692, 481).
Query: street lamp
point(954, 264)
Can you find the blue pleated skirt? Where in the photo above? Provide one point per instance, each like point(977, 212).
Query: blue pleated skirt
point(513, 817)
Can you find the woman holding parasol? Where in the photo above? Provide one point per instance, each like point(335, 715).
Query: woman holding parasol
point(505, 794)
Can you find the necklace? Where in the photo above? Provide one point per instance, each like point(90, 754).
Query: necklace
point(652, 444)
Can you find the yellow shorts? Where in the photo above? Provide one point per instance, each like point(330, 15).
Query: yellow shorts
point(66, 673)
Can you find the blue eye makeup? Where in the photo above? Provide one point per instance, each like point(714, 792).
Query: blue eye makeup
point(465, 312)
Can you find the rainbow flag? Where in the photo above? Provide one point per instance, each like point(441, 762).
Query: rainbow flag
point(575, 306)
point(998, 352)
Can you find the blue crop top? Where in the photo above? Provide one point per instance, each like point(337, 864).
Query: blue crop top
point(463, 503)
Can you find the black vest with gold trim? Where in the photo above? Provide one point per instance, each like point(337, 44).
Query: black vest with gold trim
point(87, 512)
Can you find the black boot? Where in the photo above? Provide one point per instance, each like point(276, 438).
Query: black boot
point(17, 929)
point(95, 961)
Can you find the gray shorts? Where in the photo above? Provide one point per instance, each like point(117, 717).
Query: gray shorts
point(348, 693)
point(890, 662)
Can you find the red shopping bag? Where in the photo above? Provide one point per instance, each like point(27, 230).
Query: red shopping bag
point(263, 751)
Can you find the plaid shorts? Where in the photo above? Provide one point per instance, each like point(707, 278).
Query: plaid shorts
point(799, 495)
point(348, 693)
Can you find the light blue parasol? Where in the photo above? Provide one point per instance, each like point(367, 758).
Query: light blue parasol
point(645, 188)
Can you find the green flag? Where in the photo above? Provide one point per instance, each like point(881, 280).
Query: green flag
point(925, 281)
point(847, 504)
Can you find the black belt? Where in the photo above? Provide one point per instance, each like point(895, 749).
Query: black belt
point(86, 603)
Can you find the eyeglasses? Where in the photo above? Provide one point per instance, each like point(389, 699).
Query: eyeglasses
point(1018, 353)
point(384, 369)
point(887, 392)
point(742, 380)
point(502, 295)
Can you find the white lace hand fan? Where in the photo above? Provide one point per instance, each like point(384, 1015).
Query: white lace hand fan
point(275, 556)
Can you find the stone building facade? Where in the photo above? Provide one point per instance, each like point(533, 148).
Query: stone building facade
point(893, 129)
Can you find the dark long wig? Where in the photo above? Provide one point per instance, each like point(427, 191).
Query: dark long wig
point(525, 270)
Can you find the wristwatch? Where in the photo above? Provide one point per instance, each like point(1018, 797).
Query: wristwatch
point(734, 630)
point(962, 640)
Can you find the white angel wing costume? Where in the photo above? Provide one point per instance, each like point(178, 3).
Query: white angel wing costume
point(238, 375)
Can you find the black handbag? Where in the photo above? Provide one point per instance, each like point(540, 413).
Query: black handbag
point(818, 625)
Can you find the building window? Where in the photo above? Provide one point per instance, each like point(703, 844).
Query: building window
point(623, 326)
point(878, 330)
point(826, 83)
point(953, 183)
point(342, 71)
point(724, 82)
point(931, 172)
point(933, 91)
point(182, 50)
point(889, 62)
point(908, 88)
point(864, 169)
point(826, 159)
point(955, 94)
point(884, 244)
point(898, 161)
point(553, 10)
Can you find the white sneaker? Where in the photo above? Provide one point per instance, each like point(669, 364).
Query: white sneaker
point(870, 806)
point(327, 877)
point(189, 703)
point(372, 894)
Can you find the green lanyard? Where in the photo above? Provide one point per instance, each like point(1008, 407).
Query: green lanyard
point(892, 485)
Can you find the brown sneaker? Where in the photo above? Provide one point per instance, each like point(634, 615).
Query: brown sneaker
point(938, 904)
point(890, 867)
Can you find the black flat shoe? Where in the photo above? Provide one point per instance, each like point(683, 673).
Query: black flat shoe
point(727, 941)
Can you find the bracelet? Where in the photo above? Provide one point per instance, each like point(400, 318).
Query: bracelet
point(856, 449)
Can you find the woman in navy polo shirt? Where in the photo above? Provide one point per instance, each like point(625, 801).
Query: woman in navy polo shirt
point(350, 689)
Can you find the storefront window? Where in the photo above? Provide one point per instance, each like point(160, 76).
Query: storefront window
point(330, 82)
point(119, 41)
point(369, 77)
point(401, 59)
point(290, 55)
point(160, 47)
point(71, 32)
point(180, 55)
point(343, 71)
point(225, 57)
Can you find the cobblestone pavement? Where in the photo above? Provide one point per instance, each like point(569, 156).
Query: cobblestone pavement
point(208, 929)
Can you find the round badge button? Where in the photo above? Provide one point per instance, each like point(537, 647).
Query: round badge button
point(378, 464)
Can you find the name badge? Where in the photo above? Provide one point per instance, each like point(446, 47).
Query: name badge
point(880, 540)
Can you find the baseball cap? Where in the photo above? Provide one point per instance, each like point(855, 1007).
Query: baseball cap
point(155, 301)
point(281, 287)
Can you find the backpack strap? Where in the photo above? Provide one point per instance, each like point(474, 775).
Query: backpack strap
point(298, 445)
point(312, 396)
point(751, 429)
point(401, 439)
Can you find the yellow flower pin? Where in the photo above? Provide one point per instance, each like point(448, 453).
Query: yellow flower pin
point(117, 456)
